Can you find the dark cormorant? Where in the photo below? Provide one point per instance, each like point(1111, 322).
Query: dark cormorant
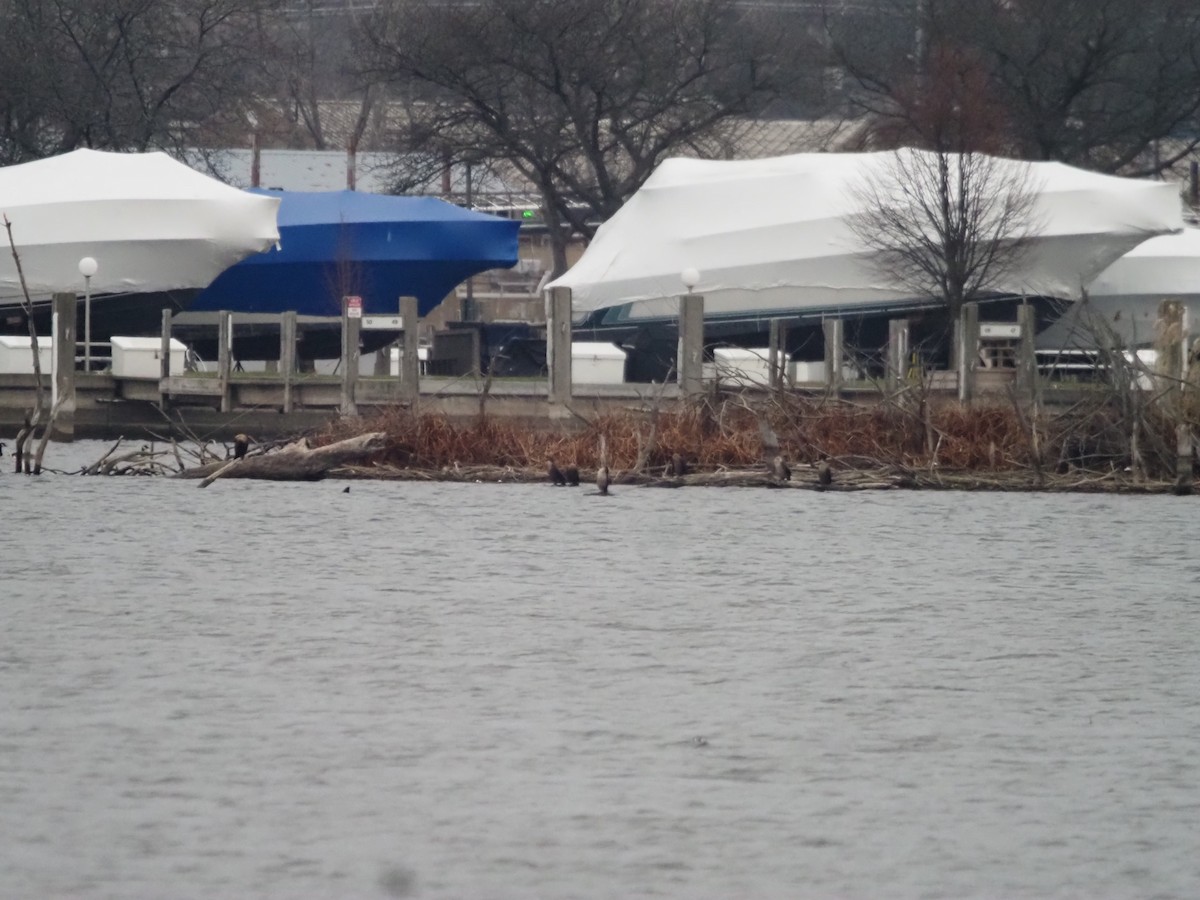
point(602, 479)
point(677, 465)
point(2, 446)
point(571, 473)
point(556, 475)
point(824, 473)
point(780, 469)
point(241, 444)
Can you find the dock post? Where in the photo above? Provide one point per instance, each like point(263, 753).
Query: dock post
point(410, 361)
point(1026, 354)
point(351, 326)
point(224, 356)
point(835, 352)
point(164, 360)
point(777, 354)
point(558, 344)
point(287, 356)
point(1170, 342)
point(690, 359)
point(897, 353)
point(1184, 459)
point(66, 308)
point(968, 352)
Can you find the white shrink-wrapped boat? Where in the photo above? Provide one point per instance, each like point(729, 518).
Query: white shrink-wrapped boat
point(158, 230)
point(1124, 299)
point(771, 237)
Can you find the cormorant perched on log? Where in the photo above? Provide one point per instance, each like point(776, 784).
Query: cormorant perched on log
point(557, 478)
point(780, 469)
point(824, 473)
point(602, 479)
point(677, 465)
point(571, 473)
point(241, 444)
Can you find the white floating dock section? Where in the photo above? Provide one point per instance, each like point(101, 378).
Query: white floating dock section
point(16, 354)
point(595, 362)
point(140, 357)
point(740, 367)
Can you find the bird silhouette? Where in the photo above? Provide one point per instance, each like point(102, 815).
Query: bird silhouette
point(603, 480)
point(571, 474)
point(556, 476)
point(824, 473)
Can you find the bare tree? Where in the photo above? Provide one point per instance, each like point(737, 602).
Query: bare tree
point(583, 98)
point(124, 74)
point(948, 225)
point(1111, 85)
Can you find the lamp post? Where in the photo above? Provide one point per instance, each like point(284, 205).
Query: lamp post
point(87, 268)
point(690, 278)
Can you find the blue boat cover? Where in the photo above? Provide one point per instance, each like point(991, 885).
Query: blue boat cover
point(378, 247)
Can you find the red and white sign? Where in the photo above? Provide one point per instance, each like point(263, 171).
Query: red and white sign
point(354, 307)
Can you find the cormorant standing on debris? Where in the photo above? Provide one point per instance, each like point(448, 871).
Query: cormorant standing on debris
point(780, 469)
point(678, 465)
point(571, 473)
point(602, 479)
point(241, 444)
point(556, 476)
point(824, 473)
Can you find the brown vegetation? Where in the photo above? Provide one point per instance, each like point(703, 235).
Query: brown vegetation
point(722, 440)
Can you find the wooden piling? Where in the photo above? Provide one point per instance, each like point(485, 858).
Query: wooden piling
point(287, 357)
point(224, 357)
point(164, 360)
point(897, 353)
point(835, 352)
point(1170, 344)
point(968, 351)
point(410, 361)
point(1183, 459)
point(558, 344)
point(777, 353)
point(1027, 373)
point(690, 358)
point(351, 328)
point(66, 308)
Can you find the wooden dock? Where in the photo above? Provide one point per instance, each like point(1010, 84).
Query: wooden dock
point(133, 401)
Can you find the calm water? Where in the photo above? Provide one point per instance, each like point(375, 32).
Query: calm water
point(499, 691)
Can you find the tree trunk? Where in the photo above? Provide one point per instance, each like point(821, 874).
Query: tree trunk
point(295, 462)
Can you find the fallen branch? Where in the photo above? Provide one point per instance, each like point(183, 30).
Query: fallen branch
point(295, 462)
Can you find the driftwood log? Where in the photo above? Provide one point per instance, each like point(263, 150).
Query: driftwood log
point(294, 462)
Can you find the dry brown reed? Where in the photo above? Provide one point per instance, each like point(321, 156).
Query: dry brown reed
point(710, 435)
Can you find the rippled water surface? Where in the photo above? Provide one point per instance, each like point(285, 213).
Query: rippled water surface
point(503, 691)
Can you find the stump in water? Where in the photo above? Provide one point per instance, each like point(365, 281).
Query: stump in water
point(294, 462)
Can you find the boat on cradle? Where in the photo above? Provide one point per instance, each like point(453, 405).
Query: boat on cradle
point(158, 231)
point(336, 244)
point(1123, 301)
point(773, 238)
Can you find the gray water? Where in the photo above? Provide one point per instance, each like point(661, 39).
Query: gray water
point(504, 691)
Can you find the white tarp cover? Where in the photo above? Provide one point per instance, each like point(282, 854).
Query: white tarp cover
point(771, 236)
point(1126, 295)
point(151, 223)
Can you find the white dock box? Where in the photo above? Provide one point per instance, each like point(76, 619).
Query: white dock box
point(740, 366)
point(396, 356)
point(138, 357)
point(16, 354)
point(595, 362)
point(814, 372)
